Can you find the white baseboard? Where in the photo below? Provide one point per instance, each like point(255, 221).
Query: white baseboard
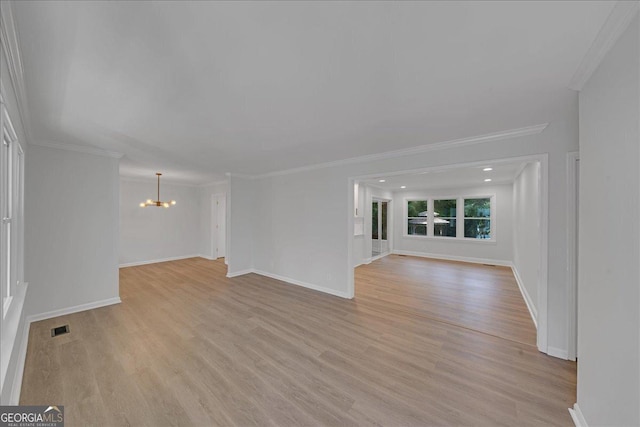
point(558, 352)
point(16, 387)
point(502, 263)
point(74, 309)
point(527, 298)
point(207, 257)
point(303, 284)
point(290, 281)
point(154, 261)
point(377, 257)
point(239, 273)
point(577, 416)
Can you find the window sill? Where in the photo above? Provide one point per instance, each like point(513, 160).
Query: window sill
point(450, 239)
point(10, 326)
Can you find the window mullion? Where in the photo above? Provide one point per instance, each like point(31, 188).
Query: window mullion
point(460, 218)
point(430, 216)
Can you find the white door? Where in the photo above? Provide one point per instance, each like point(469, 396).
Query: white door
point(218, 226)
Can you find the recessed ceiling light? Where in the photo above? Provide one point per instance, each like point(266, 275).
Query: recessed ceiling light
point(487, 169)
point(487, 180)
point(403, 186)
point(382, 180)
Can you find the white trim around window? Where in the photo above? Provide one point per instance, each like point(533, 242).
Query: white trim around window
point(459, 218)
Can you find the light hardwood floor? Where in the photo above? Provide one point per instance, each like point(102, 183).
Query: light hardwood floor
point(188, 346)
point(484, 298)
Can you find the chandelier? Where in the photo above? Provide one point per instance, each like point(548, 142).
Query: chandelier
point(157, 202)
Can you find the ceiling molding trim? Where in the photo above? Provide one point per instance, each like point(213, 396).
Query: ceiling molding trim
point(463, 142)
point(519, 171)
point(78, 149)
point(210, 184)
point(479, 163)
point(249, 176)
point(11, 47)
point(459, 189)
point(141, 180)
point(616, 24)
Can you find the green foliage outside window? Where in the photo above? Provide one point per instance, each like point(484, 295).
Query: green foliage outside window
point(444, 221)
point(477, 214)
point(417, 217)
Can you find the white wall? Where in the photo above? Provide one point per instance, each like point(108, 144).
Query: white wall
point(152, 233)
point(72, 228)
point(245, 216)
point(307, 213)
point(608, 289)
point(526, 232)
point(498, 251)
point(205, 194)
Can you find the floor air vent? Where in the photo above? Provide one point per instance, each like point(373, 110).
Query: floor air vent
point(60, 330)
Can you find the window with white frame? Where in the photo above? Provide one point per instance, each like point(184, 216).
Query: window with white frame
point(417, 220)
point(11, 210)
point(456, 218)
point(444, 217)
point(477, 218)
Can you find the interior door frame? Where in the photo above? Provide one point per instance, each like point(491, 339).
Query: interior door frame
point(573, 182)
point(216, 238)
point(389, 202)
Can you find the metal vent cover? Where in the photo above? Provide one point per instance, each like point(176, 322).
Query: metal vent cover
point(59, 330)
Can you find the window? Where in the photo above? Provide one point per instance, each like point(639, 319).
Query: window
point(444, 217)
point(417, 217)
point(11, 211)
point(455, 218)
point(477, 218)
point(5, 232)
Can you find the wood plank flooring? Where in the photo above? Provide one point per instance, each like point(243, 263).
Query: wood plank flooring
point(188, 346)
point(484, 298)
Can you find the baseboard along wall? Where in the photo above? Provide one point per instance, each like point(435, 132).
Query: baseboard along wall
point(16, 387)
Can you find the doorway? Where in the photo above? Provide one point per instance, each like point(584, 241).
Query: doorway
point(218, 225)
point(379, 228)
point(435, 183)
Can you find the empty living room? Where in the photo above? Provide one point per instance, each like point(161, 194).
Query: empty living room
point(320, 213)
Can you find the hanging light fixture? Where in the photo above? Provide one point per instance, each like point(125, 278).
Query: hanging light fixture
point(157, 202)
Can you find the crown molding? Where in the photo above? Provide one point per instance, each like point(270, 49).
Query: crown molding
point(616, 24)
point(78, 148)
point(210, 184)
point(11, 47)
point(249, 176)
point(165, 182)
point(463, 142)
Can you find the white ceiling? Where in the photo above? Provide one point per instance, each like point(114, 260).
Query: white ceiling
point(196, 89)
point(463, 177)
